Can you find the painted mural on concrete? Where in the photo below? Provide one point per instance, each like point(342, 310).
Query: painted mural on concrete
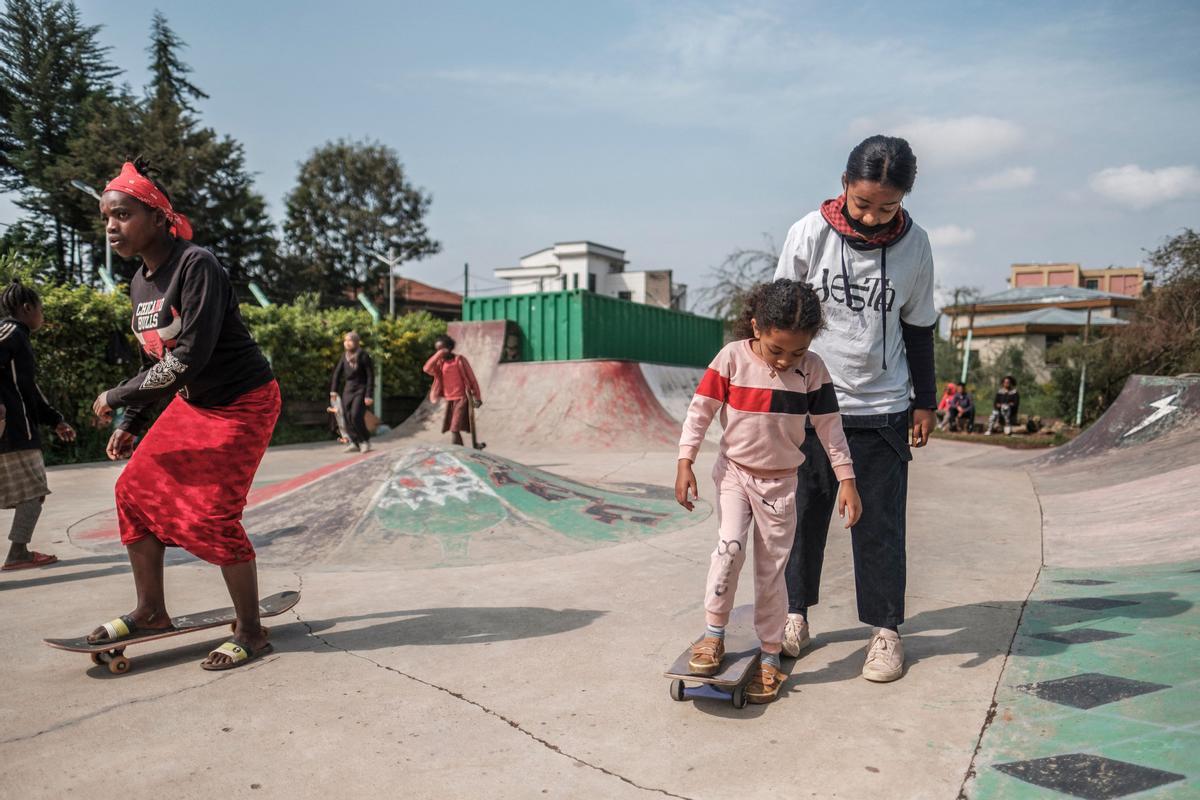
point(463, 498)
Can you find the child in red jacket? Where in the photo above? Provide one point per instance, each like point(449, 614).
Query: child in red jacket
point(454, 380)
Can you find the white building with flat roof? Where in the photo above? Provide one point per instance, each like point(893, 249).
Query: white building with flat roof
point(597, 268)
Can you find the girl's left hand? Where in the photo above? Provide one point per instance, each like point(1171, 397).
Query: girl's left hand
point(849, 503)
point(65, 432)
point(369, 402)
point(101, 408)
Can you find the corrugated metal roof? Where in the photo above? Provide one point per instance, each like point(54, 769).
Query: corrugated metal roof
point(1047, 294)
point(1049, 316)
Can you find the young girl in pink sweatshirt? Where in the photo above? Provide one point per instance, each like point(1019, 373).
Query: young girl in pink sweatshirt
point(766, 386)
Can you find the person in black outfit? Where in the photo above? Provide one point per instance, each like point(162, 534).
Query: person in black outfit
point(1005, 406)
point(23, 409)
point(962, 411)
point(358, 373)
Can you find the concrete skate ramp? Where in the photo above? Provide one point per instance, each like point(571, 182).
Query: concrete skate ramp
point(673, 387)
point(1124, 491)
point(434, 506)
point(567, 405)
point(564, 405)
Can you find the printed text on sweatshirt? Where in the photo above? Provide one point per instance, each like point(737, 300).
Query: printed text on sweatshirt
point(763, 412)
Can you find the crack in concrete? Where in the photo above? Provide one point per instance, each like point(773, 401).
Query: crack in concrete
point(491, 712)
point(604, 478)
point(990, 717)
point(127, 703)
point(676, 555)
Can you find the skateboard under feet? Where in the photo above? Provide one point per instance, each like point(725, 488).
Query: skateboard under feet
point(112, 654)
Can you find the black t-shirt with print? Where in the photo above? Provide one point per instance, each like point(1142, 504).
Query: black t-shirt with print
point(193, 338)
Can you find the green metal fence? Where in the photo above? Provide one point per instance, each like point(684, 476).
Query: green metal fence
point(576, 324)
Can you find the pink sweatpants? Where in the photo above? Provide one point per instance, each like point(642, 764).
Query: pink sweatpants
point(768, 506)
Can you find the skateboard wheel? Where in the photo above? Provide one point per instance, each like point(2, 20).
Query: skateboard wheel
point(118, 665)
point(98, 659)
point(677, 689)
point(739, 697)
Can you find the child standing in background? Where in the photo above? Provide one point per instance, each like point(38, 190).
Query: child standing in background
point(23, 409)
point(454, 380)
point(765, 386)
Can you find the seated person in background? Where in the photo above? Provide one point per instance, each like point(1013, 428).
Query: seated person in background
point(962, 411)
point(1005, 406)
point(943, 408)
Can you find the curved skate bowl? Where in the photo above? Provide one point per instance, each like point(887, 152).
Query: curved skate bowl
point(440, 506)
point(600, 404)
point(1125, 491)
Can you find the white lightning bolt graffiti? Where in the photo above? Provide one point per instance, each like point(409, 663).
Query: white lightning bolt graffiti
point(1164, 407)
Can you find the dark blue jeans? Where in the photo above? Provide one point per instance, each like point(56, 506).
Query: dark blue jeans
point(879, 446)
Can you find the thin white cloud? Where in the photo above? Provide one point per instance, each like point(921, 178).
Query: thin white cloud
point(1139, 188)
point(1014, 178)
point(951, 141)
point(950, 236)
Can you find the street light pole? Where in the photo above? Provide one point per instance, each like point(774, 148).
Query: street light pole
point(392, 262)
point(110, 283)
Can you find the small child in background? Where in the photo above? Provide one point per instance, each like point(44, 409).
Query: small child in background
point(765, 386)
point(23, 408)
point(454, 380)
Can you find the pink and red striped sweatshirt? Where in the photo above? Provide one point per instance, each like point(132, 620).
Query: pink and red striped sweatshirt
point(763, 412)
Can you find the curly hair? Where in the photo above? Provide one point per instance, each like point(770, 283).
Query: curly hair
point(784, 304)
point(146, 170)
point(15, 295)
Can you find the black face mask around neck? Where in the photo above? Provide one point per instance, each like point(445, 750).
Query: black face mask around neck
point(866, 230)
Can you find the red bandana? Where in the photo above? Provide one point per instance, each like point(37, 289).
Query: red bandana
point(138, 186)
point(831, 210)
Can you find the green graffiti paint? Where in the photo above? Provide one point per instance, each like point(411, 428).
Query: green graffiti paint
point(458, 496)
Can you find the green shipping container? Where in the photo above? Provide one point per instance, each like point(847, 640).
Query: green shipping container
point(577, 324)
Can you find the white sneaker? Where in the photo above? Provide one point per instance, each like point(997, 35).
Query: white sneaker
point(885, 657)
point(351, 448)
point(365, 447)
point(795, 635)
point(1008, 430)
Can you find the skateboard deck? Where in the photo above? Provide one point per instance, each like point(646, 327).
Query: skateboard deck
point(475, 443)
point(112, 653)
point(339, 414)
point(737, 668)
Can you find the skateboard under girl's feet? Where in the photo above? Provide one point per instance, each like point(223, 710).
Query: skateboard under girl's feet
point(112, 653)
point(737, 668)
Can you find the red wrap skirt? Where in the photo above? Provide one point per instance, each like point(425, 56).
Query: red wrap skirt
point(187, 481)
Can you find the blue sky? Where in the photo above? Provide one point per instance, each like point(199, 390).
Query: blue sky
point(681, 131)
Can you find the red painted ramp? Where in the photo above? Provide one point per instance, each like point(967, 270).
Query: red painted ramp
point(600, 404)
point(574, 404)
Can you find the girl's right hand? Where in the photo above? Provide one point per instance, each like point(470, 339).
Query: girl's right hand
point(685, 485)
point(120, 445)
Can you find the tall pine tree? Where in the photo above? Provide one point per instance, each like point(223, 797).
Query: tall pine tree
point(205, 172)
point(51, 66)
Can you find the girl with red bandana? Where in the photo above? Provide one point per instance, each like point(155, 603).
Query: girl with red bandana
point(187, 481)
point(872, 268)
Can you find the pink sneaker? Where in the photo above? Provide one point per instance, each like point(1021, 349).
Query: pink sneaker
point(885, 657)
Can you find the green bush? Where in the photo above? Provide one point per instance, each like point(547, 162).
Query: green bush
point(304, 343)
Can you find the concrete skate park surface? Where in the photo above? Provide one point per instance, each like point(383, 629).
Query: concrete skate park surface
point(524, 658)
